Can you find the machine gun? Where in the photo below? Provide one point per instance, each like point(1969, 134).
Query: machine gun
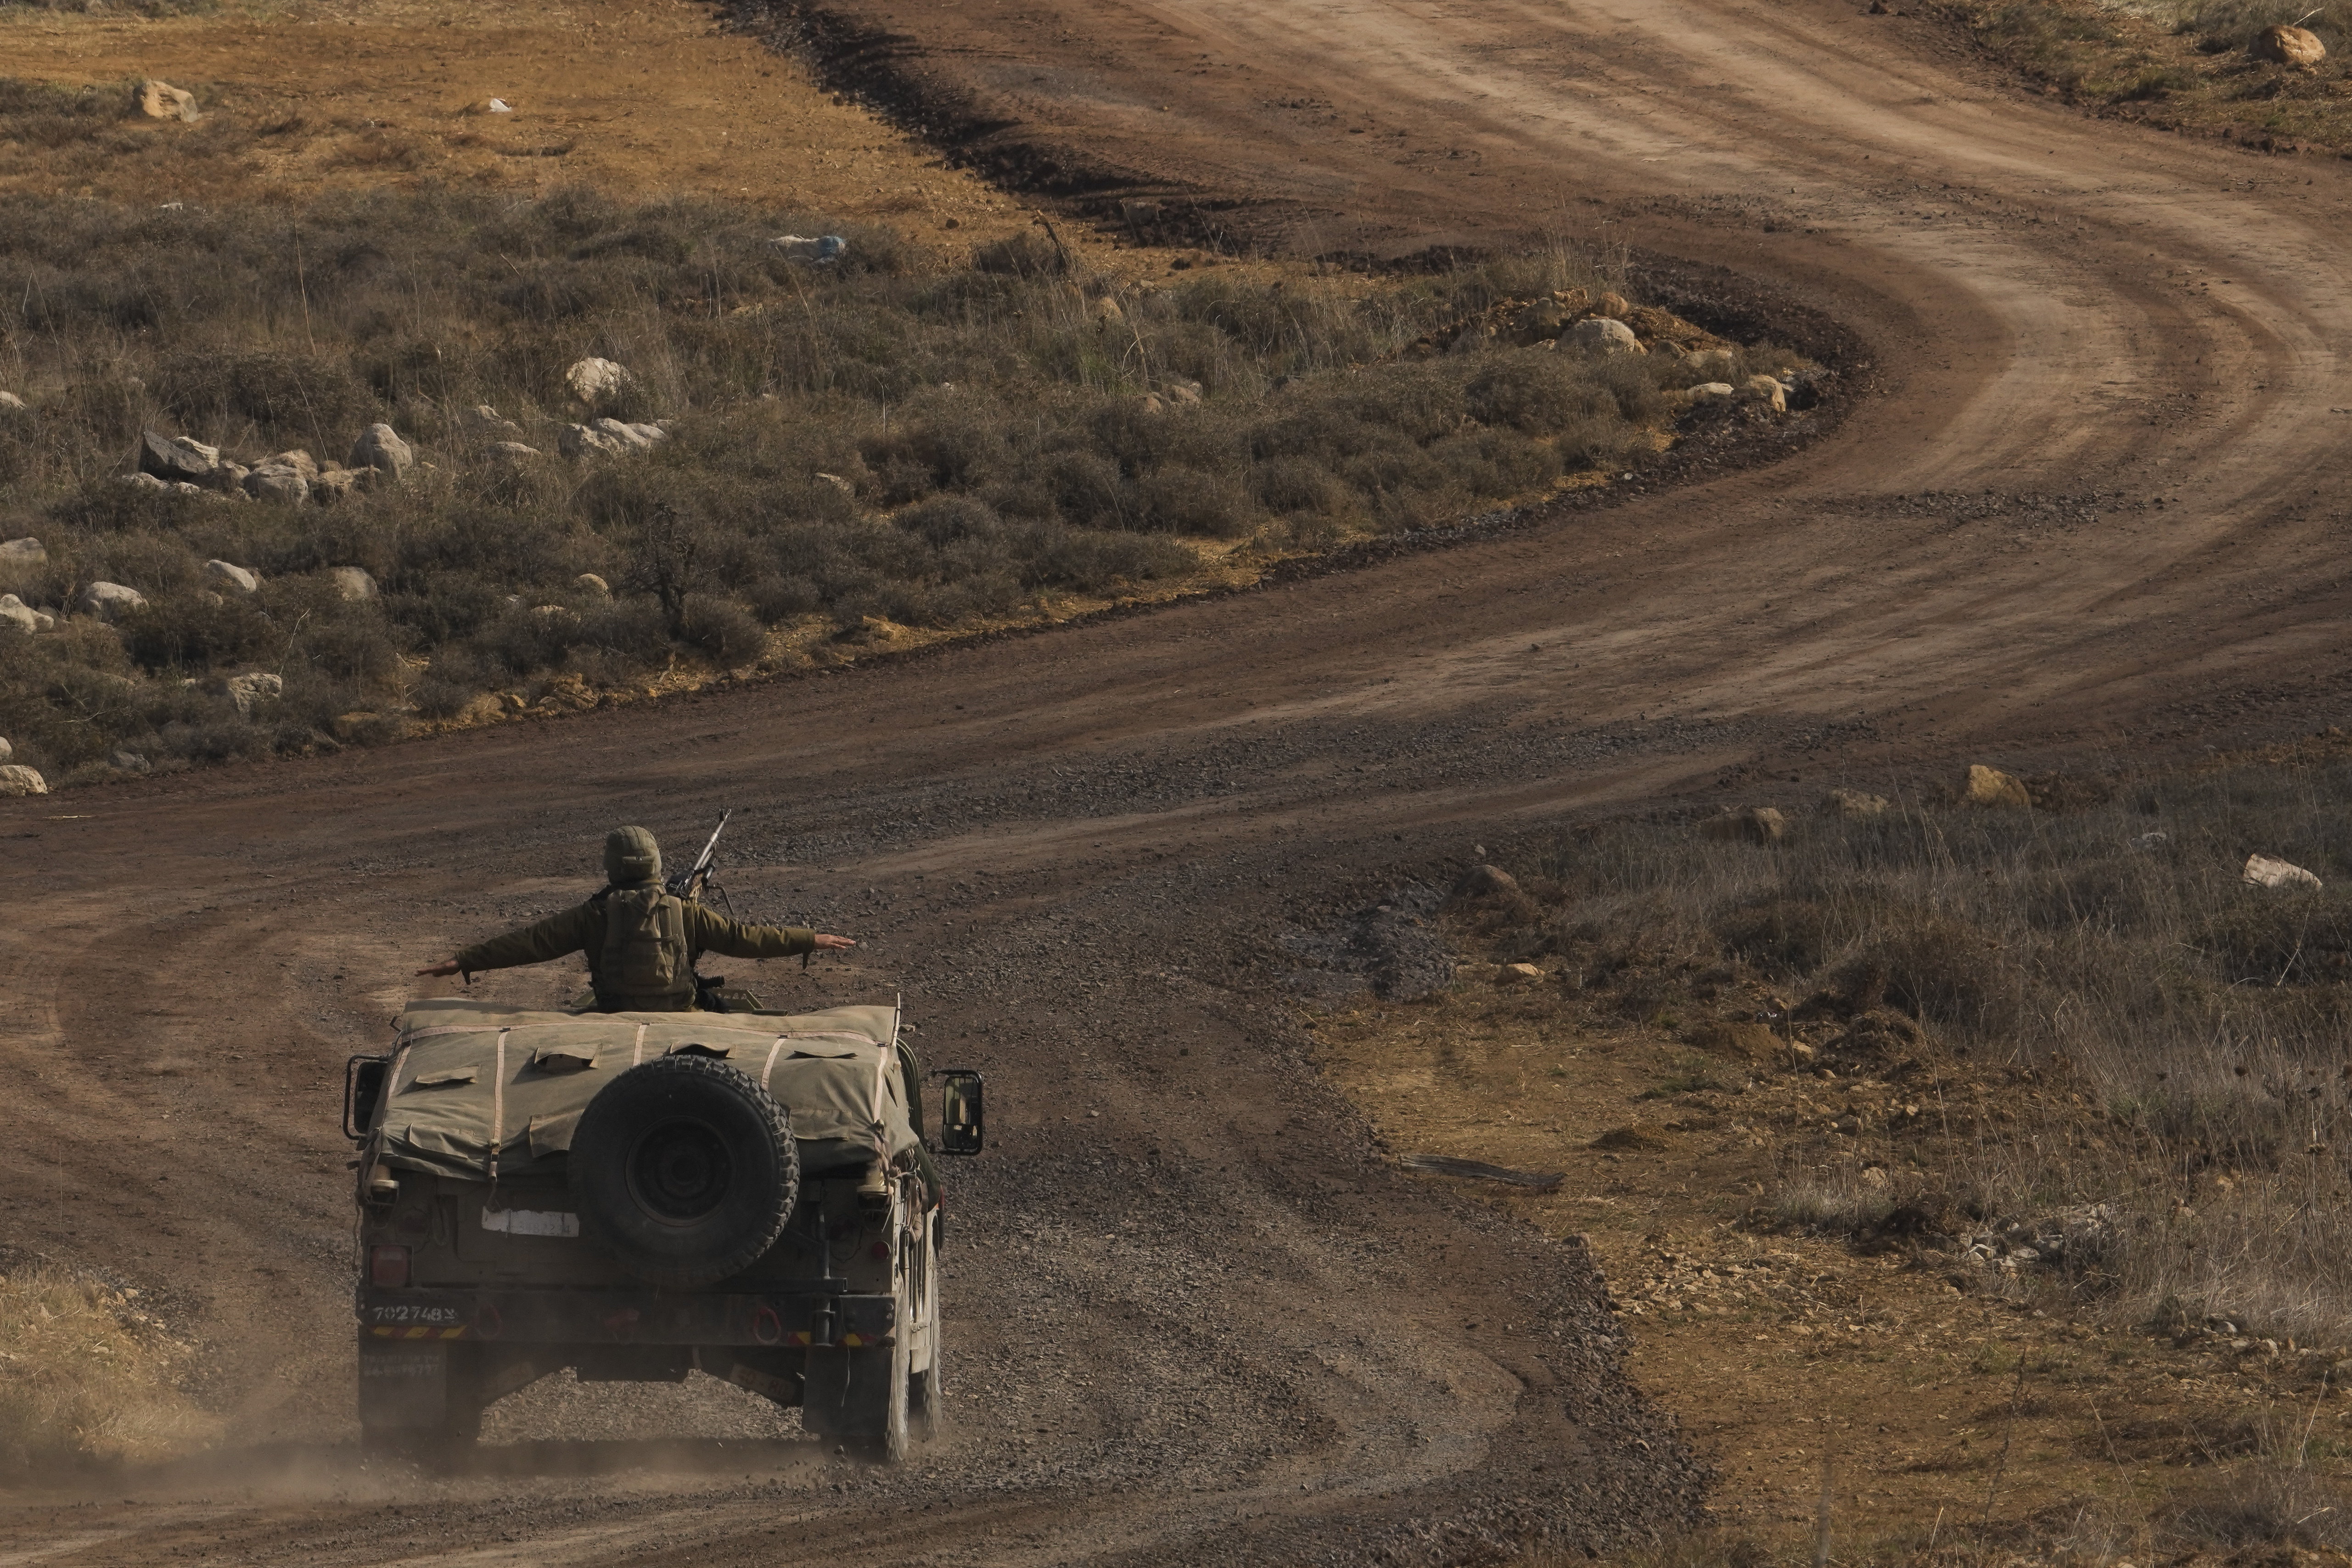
point(690, 883)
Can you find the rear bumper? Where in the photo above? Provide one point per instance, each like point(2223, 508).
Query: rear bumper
point(767, 1320)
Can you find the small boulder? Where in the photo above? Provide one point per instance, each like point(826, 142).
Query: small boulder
point(1603, 335)
point(595, 381)
point(1854, 806)
point(512, 451)
point(1106, 310)
point(1612, 304)
point(129, 763)
point(144, 483)
point(247, 692)
point(381, 449)
point(594, 584)
point(161, 101)
point(334, 485)
point(1713, 391)
point(109, 601)
point(18, 615)
point(1763, 389)
point(177, 458)
point(17, 779)
point(1484, 881)
point(1990, 787)
point(25, 551)
point(7, 750)
point(1185, 394)
point(352, 582)
point(298, 460)
point(1519, 974)
point(2288, 46)
point(10, 402)
point(237, 579)
point(1718, 364)
point(2263, 871)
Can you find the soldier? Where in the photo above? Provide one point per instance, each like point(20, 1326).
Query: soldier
point(641, 942)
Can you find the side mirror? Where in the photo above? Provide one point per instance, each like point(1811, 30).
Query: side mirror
point(962, 1112)
point(362, 1092)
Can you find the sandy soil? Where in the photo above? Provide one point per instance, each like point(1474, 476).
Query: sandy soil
point(2095, 510)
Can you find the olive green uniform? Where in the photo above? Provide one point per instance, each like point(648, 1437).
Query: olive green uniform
point(582, 928)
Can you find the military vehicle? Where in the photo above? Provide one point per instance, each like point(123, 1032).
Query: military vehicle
point(637, 1195)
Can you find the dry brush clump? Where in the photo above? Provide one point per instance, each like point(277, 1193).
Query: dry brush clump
point(2068, 1054)
point(890, 439)
point(87, 1376)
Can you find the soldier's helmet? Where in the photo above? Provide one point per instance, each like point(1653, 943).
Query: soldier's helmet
point(631, 857)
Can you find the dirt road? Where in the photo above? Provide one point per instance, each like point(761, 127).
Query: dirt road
point(2096, 510)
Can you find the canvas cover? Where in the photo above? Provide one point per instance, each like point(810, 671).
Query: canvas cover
point(472, 1081)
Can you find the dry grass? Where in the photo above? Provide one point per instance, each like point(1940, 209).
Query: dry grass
point(88, 1377)
point(898, 445)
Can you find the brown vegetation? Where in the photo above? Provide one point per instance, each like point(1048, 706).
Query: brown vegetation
point(87, 1375)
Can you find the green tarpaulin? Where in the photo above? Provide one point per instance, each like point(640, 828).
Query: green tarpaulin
point(471, 1081)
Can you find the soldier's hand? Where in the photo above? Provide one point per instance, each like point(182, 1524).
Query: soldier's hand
point(824, 940)
point(447, 967)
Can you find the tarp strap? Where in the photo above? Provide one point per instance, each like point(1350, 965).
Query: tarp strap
point(637, 1051)
point(774, 1052)
point(415, 1034)
point(497, 1109)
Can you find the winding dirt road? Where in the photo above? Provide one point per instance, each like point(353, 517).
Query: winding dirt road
point(2095, 509)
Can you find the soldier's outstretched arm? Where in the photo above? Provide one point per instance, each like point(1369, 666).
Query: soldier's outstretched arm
point(711, 932)
point(558, 934)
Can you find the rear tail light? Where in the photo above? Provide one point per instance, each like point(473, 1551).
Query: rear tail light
point(388, 1266)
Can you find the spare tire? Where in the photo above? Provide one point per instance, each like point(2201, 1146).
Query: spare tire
point(686, 1169)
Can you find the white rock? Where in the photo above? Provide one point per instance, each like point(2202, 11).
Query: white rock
point(1603, 335)
point(246, 693)
point(1765, 390)
point(10, 400)
point(17, 779)
point(161, 101)
point(25, 551)
point(593, 584)
point(7, 750)
point(231, 576)
point(512, 451)
point(2263, 871)
point(16, 613)
point(177, 457)
point(109, 601)
point(485, 422)
point(352, 582)
point(129, 763)
point(272, 482)
point(593, 381)
point(144, 482)
point(1712, 392)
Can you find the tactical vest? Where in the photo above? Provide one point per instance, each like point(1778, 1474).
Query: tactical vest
point(647, 966)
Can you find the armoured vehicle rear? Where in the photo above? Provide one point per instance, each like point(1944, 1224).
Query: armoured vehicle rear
point(637, 1195)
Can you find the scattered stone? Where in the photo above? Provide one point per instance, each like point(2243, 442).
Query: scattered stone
point(612, 437)
point(1106, 312)
point(177, 458)
point(512, 451)
point(1990, 787)
point(1763, 389)
point(144, 483)
point(9, 400)
point(25, 551)
point(7, 750)
point(2288, 45)
point(1854, 806)
point(229, 576)
point(161, 101)
point(1755, 825)
point(821, 251)
point(593, 584)
point(352, 582)
point(109, 601)
point(17, 779)
point(381, 449)
point(129, 763)
point(1151, 403)
point(1185, 394)
point(333, 485)
point(297, 460)
point(1484, 881)
point(247, 692)
point(597, 380)
point(1713, 391)
point(14, 612)
point(1520, 973)
point(1603, 335)
point(2263, 871)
